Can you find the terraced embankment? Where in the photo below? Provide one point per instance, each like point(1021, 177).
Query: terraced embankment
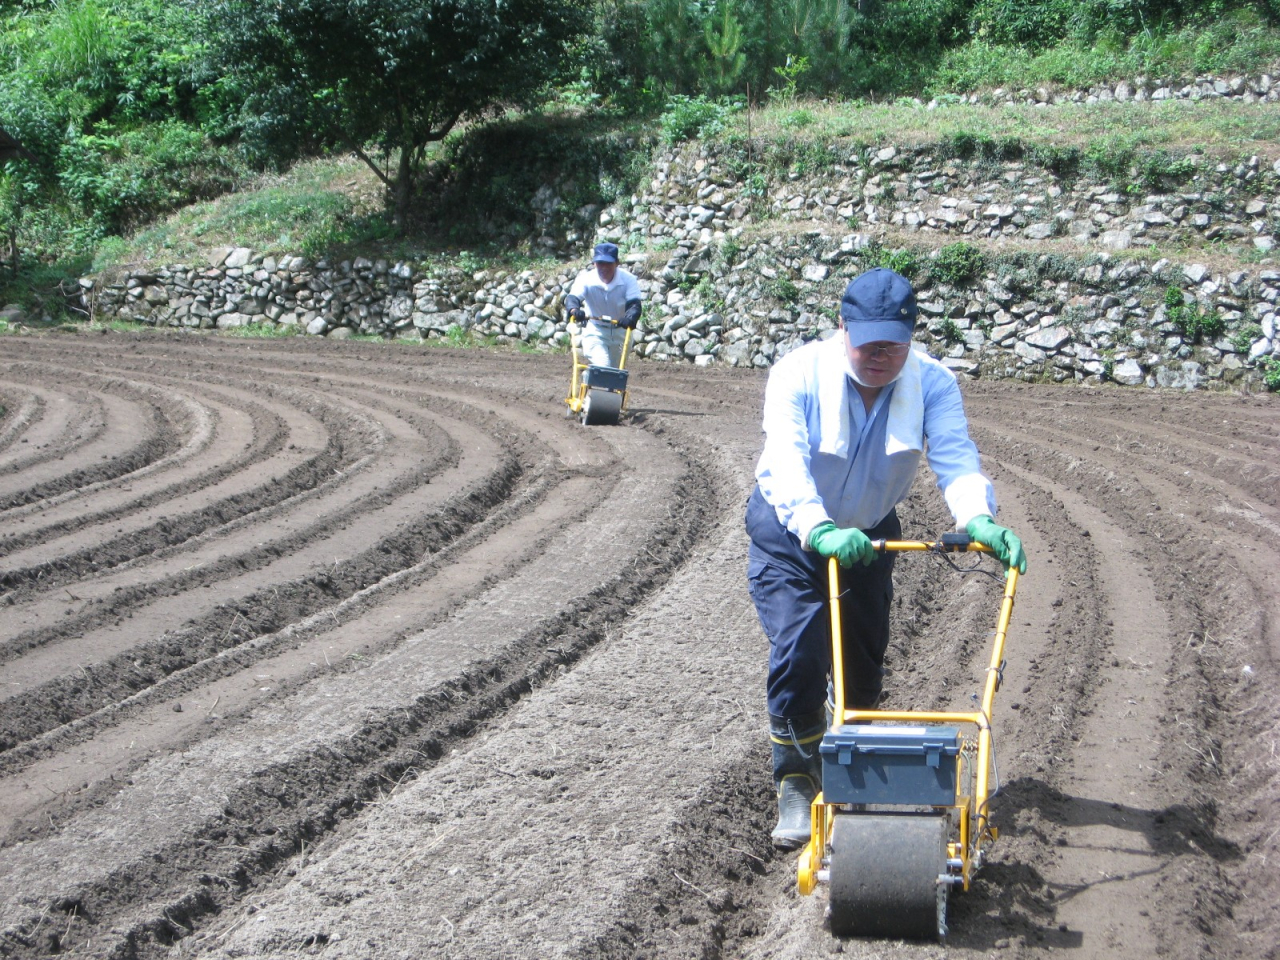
point(360, 650)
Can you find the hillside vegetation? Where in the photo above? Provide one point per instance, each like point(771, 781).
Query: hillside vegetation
point(155, 129)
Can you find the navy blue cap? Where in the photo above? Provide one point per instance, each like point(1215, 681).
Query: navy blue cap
point(605, 253)
point(879, 305)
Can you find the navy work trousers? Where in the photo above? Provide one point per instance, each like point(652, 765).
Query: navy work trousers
point(789, 587)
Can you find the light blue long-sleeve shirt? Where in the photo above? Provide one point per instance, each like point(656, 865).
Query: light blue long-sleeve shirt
point(856, 483)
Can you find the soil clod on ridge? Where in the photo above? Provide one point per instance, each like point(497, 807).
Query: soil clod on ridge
point(362, 651)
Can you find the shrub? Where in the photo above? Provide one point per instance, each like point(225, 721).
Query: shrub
point(1243, 339)
point(950, 331)
point(1026, 23)
point(1160, 170)
point(956, 263)
point(688, 118)
point(128, 178)
point(902, 261)
point(1110, 158)
point(798, 119)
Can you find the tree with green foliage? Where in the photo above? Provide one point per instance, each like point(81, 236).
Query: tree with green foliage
point(675, 43)
point(398, 74)
point(723, 34)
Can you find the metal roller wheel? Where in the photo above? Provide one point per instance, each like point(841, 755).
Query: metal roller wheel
point(601, 407)
point(884, 875)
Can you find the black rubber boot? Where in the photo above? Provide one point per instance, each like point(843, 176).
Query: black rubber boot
point(797, 775)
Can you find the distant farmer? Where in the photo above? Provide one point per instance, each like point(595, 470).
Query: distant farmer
point(606, 300)
point(846, 421)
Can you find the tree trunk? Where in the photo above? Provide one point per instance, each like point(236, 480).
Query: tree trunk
point(404, 186)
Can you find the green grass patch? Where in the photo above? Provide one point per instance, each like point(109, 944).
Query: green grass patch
point(1059, 138)
point(461, 337)
point(120, 326)
point(1194, 323)
point(1243, 339)
point(1236, 42)
point(903, 260)
point(784, 289)
point(956, 263)
point(320, 207)
point(264, 331)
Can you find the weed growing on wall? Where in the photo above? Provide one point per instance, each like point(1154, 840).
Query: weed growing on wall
point(688, 118)
point(949, 331)
point(785, 290)
point(1243, 339)
point(1195, 324)
point(956, 263)
point(1270, 367)
point(903, 261)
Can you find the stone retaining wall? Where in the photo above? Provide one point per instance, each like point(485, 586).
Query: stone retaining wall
point(1029, 317)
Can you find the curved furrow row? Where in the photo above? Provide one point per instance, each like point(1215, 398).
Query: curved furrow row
point(1238, 457)
point(235, 543)
point(125, 428)
point(377, 720)
point(113, 662)
point(1200, 617)
point(1220, 485)
point(22, 407)
point(230, 436)
point(38, 419)
point(197, 432)
point(53, 419)
point(345, 442)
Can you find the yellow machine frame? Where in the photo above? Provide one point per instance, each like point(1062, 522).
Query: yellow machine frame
point(970, 810)
point(577, 397)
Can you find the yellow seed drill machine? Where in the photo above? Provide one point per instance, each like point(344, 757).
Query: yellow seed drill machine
point(598, 395)
point(902, 817)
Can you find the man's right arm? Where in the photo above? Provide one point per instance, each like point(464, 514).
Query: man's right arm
point(783, 472)
point(573, 301)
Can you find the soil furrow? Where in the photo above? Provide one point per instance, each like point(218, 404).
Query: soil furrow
point(138, 431)
point(228, 437)
point(392, 729)
point(537, 729)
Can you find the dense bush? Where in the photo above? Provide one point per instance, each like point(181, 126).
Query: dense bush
point(128, 178)
point(891, 47)
point(956, 263)
point(114, 101)
point(687, 118)
point(480, 189)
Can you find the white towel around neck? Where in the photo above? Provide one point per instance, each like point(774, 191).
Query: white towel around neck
point(905, 429)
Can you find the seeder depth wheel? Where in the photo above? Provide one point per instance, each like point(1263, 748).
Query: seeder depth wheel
point(601, 407)
point(884, 875)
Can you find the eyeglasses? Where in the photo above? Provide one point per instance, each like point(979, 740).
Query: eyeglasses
point(895, 351)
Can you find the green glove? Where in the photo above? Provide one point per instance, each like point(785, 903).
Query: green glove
point(1006, 547)
point(845, 545)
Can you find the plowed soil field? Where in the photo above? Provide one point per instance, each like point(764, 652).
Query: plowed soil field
point(364, 650)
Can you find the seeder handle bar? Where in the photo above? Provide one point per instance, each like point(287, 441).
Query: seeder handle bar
point(949, 543)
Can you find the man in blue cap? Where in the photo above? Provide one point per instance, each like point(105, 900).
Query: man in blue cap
point(605, 300)
point(846, 422)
